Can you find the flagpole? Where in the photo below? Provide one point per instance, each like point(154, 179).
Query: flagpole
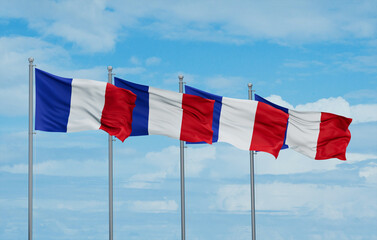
point(110, 80)
point(252, 190)
point(30, 195)
point(182, 166)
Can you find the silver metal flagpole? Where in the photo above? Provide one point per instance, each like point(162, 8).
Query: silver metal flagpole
point(182, 147)
point(110, 80)
point(30, 196)
point(252, 190)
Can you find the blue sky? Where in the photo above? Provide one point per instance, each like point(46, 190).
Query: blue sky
point(307, 55)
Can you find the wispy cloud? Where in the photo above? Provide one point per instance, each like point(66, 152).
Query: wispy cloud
point(361, 63)
point(96, 26)
point(368, 94)
point(16, 98)
point(135, 60)
point(152, 61)
point(89, 25)
point(364, 113)
point(222, 82)
point(302, 64)
point(369, 173)
point(263, 20)
point(87, 168)
point(154, 206)
point(326, 202)
point(129, 70)
point(14, 54)
point(164, 164)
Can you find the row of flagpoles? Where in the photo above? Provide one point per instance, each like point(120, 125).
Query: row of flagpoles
point(130, 109)
point(110, 167)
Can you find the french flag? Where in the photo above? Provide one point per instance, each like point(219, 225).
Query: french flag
point(318, 135)
point(176, 115)
point(71, 105)
point(246, 124)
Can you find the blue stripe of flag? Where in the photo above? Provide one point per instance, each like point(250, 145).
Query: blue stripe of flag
point(140, 113)
point(216, 108)
point(260, 99)
point(52, 101)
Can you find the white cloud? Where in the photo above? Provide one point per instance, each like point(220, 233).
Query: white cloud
point(65, 229)
point(369, 173)
point(95, 26)
point(87, 140)
point(359, 157)
point(291, 162)
point(71, 205)
point(364, 113)
point(363, 94)
point(124, 71)
point(138, 185)
point(145, 180)
point(234, 198)
point(166, 164)
point(89, 25)
point(333, 105)
point(361, 113)
point(302, 64)
point(197, 159)
point(221, 82)
point(16, 99)
point(221, 161)
point(152, 61)
point(12, 145)
point(58, 204)
point(366, 64)
point(279, 101)
point(86, 168)
point(167, 160)
point(134, 60)
point(98, 73)
point(154, 206)
point(230, 163)
point(14, 54)
point(292, 21)
point(325, 201)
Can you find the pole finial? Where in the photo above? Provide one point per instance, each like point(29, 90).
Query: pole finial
point(180, 76)
point(31, 59)
point(249, 85)
point(109, 68)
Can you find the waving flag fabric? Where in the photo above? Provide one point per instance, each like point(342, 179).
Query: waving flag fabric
point(71, 105)
point(318, 135)
point(246, 124)
point(176, 115)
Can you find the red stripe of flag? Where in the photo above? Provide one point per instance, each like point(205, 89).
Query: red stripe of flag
point(116, 116)
point(269, 129)
point(197, 119)
point(333, 137)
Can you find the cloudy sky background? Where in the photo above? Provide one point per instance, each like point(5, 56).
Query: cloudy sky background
point(306, 55)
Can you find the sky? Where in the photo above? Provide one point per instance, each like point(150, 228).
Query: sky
point(306, 55)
